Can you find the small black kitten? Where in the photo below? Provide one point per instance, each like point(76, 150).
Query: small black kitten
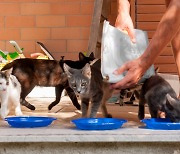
point(79, 64)
point(160, 97)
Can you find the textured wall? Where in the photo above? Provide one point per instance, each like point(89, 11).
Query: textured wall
point(62, 25)
point(90, 148)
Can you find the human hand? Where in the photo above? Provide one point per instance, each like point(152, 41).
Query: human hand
point(124, 23)
point(135, 70)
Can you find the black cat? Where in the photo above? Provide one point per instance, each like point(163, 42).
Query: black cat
point(160, 97)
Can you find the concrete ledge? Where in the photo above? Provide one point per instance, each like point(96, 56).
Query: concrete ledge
point(59, 133)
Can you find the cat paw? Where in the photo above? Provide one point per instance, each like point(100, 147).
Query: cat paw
point(140, 116)
point(78, 107)
point(3, 115)
point(109, 116)
point(121, 103)
point(27, 104)
point(19, 113)
point(50, 107)
point(32, 107)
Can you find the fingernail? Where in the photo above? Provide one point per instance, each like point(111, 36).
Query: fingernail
point(115, 72)
point(134, 40)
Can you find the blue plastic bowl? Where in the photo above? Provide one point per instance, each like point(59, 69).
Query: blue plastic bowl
point(98, 123)
point(161, 123)
point(29, 121)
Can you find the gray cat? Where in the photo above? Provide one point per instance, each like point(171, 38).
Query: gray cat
point(88, 84)
point(160, 97)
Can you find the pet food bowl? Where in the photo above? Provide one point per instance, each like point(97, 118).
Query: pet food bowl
point(29, 121)
point(161, 124)
point(98, 123)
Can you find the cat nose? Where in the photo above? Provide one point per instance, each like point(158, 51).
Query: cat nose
point(78, 91)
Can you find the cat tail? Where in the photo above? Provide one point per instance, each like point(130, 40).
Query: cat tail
point(8, 66)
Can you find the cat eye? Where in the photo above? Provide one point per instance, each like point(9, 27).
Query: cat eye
point(74, 86)
point(83, 84)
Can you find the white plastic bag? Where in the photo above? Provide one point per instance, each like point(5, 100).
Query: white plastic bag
point(117, 48)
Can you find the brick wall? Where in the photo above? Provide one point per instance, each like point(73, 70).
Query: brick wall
point(148, 16)
point(62, 25)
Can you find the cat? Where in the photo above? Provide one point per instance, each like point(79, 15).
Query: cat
point(10, 90)
point(134, 92)
point(79, 63)
point(160, 97)
point(47, 73)
point(74, 64)
point(88, 84)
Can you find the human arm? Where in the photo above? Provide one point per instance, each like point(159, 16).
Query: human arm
point(166, 30)
point(123, 20)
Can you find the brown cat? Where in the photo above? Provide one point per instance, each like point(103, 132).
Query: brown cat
point(47, 73)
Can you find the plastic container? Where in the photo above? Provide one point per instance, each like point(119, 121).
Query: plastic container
point(117, 48)
point(29, 121)
point(161, 124)
point(98, 123)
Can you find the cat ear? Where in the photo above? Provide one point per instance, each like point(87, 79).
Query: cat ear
point(67, 70)
point(169, 102)
point(87, 70)
point(8, 72)
point(81, 56)
point(92, 55)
